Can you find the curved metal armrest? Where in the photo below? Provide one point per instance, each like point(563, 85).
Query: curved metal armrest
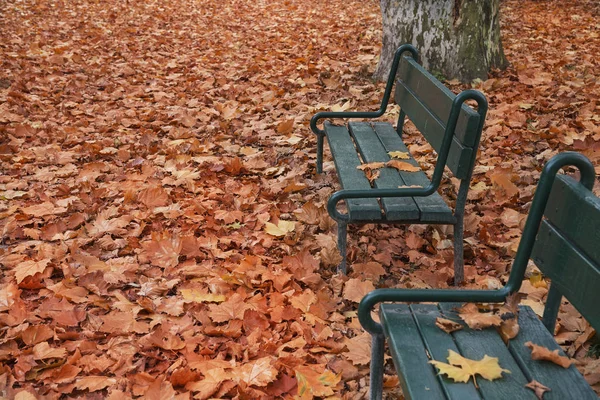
point(384, 102)
point(422, 295)
point(374, 193)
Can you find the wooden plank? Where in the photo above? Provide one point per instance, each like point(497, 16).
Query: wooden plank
point(346, 160)
point(433, 129)
point(575, 275)
point(564, 383)
point(438, 343)
point(439, 99)
point(575, 212)
point(433, 208)
point(371, 150)
point(475, 345)
point(417, 376)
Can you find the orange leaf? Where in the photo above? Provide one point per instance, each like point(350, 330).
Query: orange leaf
point(30, 268)
point(285, 127)
point(477, 320)
point(543, 353)
point(402, 166)
point(356, 289)
point(447, 325)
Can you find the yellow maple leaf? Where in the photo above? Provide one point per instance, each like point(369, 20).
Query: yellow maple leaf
point(461, 369)
point(402, 155)
point(281, 229)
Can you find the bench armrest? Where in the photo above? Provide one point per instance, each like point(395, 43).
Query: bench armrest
point(422, 295)
point(384, 102)
point(374, 193)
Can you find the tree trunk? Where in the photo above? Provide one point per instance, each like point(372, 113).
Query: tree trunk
point(455, 38)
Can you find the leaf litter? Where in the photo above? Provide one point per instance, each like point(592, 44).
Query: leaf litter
point(145, 147)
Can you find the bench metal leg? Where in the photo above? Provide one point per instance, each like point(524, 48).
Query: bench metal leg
point(551, 310)
point(376, 378)
point(320, 153)
point(342, 243)
point(459, 262)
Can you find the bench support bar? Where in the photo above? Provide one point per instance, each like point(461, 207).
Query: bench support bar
point(342, 244)
point(376, 378)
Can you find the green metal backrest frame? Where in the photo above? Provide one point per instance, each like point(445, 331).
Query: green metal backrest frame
point(450, 128)
point(522, 257)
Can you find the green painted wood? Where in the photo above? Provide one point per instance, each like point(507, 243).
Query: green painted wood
point(433, 129)
point(371, 150)
point(346, 160)
point(438, 343)
point(475, 345)
point(575, 275)
point(433, 208)
point(564, 383)
point(575, 211)
point(439, 99)
point(417, 376)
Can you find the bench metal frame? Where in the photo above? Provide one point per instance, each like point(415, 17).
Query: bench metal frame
point(524, 252)
point(343, 219)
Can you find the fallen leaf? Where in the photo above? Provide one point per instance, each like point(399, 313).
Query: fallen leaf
point(461, 369)
point(281, 229)
point(30, 268)
point(312, 383)
point(373, 165)
point(42, 351)
point(258, 373)
point(402, 166)
point(94, 383)
point(447, 325)
point(538, 389)
point(401, 155)
point(478, 320)
point(543, 353)
point(355, 289)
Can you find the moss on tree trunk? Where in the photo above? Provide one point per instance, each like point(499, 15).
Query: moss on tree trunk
point(456, 38)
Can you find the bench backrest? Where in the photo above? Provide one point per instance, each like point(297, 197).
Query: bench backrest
point(427, 103)
point(567, 246)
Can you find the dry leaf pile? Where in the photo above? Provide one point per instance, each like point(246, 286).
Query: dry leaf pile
point(162, 230)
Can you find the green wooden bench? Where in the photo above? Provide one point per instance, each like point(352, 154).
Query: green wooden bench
point(561, 236)
point(449, 125)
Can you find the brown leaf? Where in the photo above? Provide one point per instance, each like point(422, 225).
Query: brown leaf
point(402, 166)
point(94, 383)
point(258, 373)
point(447, 325)
point(356, 289)
point(538, 389)
point(543, 353)
point(36, 334)
point(359, 349)
point(373, 165)
point(478, 320)
point(285, 127)
point(30, 268)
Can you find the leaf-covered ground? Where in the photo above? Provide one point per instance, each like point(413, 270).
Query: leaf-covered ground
point(163, 229)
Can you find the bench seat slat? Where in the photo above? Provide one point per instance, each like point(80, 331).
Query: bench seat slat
point(417, 376)
point(563, 383)
point(346, 161)
point(371, 150)
point(438, 343)
point(475, 345)
point(433, 208)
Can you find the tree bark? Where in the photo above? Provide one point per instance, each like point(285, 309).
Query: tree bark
point(455, 38)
